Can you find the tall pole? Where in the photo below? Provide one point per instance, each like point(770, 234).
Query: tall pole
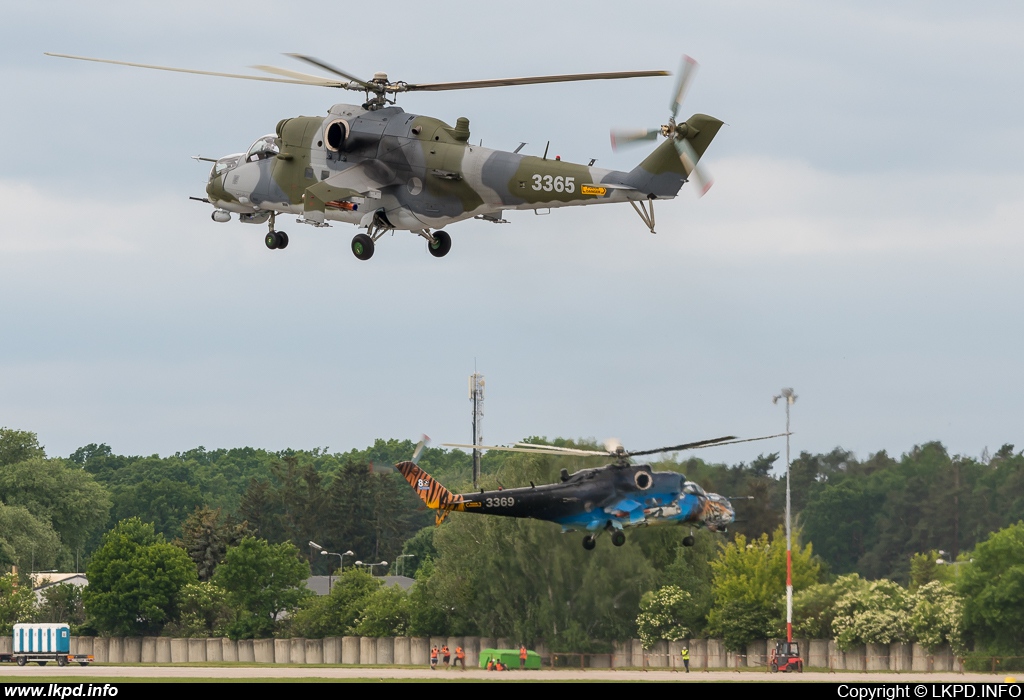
point(790, 398)
point(476, 396)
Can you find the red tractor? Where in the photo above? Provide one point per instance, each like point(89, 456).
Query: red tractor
point(785, 657)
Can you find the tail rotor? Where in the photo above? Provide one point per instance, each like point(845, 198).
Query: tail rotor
point(678, 133)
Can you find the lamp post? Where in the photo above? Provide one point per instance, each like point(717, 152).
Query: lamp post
point(370, 566)
point(790, 399)
point(401, 564)
point(341, 564)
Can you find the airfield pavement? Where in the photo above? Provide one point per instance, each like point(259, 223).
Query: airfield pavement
point(284, 673)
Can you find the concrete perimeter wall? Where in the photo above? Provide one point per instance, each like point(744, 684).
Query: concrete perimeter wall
point(415, 651)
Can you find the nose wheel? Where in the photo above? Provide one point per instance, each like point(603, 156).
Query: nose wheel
point(362, 246)
point(618, 538)
point(276, 240)
point(440, 245)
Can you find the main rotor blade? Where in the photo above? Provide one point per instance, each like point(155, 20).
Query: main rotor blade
point(715, 442)
point(624, 137)
point(572, 77)
point(686, 446)
point(690, 161)
point(188, 70)
point(546, 450)
point(331, 69)
point(533, 447)
point(305, 77)
point(686, 73)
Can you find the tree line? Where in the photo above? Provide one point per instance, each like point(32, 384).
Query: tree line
point(861, 522)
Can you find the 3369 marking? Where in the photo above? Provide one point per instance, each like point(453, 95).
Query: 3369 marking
point(558, 183)
point(499, 502)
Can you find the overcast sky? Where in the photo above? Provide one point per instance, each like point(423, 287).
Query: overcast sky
point(862, 242)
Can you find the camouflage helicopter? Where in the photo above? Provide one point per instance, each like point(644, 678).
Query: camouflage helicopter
point(606, 499)
point(382, 169)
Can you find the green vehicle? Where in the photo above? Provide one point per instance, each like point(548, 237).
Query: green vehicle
point(509, 657)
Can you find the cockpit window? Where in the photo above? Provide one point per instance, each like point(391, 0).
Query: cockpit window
point(224, 164)
point(265, 147)
point(693, 489)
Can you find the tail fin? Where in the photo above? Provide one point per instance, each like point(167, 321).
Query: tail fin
point(436, 496)
point(663, 172)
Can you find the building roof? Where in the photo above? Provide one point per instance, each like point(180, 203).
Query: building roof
point(47, 579)
point(319, 584)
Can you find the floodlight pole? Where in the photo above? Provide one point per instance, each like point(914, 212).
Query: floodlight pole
point(790, 398)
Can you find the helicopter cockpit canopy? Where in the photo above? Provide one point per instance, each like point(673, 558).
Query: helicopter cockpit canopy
point(693, 489)
point(224, 164)
point(265, 147)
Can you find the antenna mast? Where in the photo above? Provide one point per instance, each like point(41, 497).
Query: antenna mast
point(476, 396)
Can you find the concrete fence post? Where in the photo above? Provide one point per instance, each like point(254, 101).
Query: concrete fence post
point(332, 650)
point(386, 651)
point(367, 651)
point(246, 651)
point(163, 650)
point(403, 651)
point(716, 654)
point(148, 652)
point(214, 649)
point(350, 650)
point(132, 651)
point(282, 651)
point(196, 649)
point(314, 651)
point(817, 653)
point(264, 650)
point(100, 646)
point(228, 649)
point(419, 651)
point(472, 647)
point(297, 650)
point(179, 650)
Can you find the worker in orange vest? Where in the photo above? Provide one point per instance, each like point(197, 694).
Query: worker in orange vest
point(433, 658)
point(522, 657)
point(460, 657)
point(447, 654)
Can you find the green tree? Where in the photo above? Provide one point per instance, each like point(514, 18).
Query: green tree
point(203, 611)
point(937, 617)
point(692, 572)
point(335, 614)
point(876, 612)
point(992, 584)
point(387, 613)
point(815, 607)
point(62, 603)
point(263, 581)
point(26, 541)
point(19, 446)
point(206, 536)
point(135, 580)
point(16, 603)
point(749, 587)
point(661, 616)
point(69, 498)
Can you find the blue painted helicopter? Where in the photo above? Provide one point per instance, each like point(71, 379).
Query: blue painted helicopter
point(609, 499)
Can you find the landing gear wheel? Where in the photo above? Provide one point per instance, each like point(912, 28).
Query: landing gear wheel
point(441, 245)
point(688, 541)
point(589, 542)
point(272, 240)
point(362, 246)
point(618, 538)
point(62, 661)
point(282, 240)
point(21, 661)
